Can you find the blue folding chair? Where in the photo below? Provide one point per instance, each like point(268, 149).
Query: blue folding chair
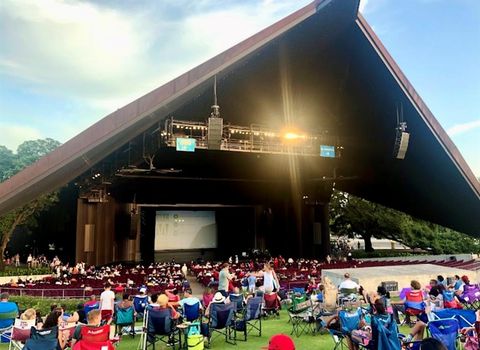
point(140, 303)
point(349, 321)
point(384, 333)
point(191, 312)
point(238, 300)
point(446, 331)
point(465, 318)
point(89, 307)
point(125, 318)
point(222, 321)
point(251, 318)
point(42, 339)
point(159, 327)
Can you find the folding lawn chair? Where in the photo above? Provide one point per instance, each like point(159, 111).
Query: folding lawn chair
point(222, 321)
point(191, 312)
point(446, 331)
point(384, 333)
point(20, 333)
point(301, 318)
point(43, 339)
point(271, 304)
point(349, 321)
point(251, 318)
point(159, 327)
point(125, 320)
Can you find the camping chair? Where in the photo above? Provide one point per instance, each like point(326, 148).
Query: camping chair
point(159, 327)
point(89, 307)
point(222, 321)
point(446, 331)
point(251, 318)
point(43, 339)
point(7, 318)
point(191, 312)
point(349, 321)
point(271, 304)
point(470, 297)
point(465, 318)
point(125, 318)
point(414, 305)
point(100, 345)
point(384, 333)
point(139, 304)
point(347, 295)
point(94, 338)
point(238, 300)
point(298, 290)
point(20, 333)
point(450, 301)
point(301, 318)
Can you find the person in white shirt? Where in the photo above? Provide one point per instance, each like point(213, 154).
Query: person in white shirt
point(107, 302)
point(184, 270)
point(348, 283)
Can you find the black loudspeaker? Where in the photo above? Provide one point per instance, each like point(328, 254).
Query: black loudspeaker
point(215, 133)
point(134, 218)
point(401, 144)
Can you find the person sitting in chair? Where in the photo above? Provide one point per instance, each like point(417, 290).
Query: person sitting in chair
point(94, 318)
point(348, 285)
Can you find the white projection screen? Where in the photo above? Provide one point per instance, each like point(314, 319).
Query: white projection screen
point(185, 230)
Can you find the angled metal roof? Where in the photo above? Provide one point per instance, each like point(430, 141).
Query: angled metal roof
point(341, 72)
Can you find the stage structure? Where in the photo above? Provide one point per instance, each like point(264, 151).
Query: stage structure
point(312, 103)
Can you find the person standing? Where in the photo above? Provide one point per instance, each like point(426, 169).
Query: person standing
point(107, 300)
point(224, 279)
point(29, 260)
point(270, 279)
point(184, 270)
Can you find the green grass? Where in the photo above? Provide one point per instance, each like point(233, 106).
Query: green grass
point(269, 328)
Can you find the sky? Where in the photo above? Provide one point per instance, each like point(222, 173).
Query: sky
point(65, 64)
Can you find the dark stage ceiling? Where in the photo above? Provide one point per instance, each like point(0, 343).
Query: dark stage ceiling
point(320, 69)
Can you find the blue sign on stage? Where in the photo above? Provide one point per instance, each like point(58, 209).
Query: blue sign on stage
point(327, 151)
point(185, 144)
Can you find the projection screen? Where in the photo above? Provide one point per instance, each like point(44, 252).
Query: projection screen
point(185, 230)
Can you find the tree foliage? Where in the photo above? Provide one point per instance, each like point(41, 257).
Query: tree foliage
point(352, 216)
point(11, 163)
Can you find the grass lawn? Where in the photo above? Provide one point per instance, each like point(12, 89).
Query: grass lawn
point(269, 327)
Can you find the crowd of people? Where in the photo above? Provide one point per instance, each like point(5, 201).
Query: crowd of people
point(83, 280)
point(165, 286)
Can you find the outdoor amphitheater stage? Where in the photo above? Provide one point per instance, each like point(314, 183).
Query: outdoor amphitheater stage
point(371, 277)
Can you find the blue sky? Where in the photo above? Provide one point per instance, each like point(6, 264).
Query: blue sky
point(65, 64)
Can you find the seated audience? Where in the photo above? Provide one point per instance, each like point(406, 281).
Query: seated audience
point(54, 319)
point(218, 298)
point(94, 320)
point(7, 307)
point(189, 299)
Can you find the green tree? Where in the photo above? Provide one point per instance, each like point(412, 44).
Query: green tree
point(7, 163)
point(27, 153)
point(352, 216)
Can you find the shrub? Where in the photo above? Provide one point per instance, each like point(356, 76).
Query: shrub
point(25, 302)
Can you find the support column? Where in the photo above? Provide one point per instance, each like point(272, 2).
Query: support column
point(321, 230)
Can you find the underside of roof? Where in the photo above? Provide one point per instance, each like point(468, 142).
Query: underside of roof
point(321, 68)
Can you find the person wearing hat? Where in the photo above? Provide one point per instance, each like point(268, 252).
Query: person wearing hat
point(218, 298)
point(280, 342)
point(162, 302)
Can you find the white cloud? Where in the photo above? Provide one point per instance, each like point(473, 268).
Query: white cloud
point(463, 128)
point(107, 56)
point(363, 6)
point(14, 135)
